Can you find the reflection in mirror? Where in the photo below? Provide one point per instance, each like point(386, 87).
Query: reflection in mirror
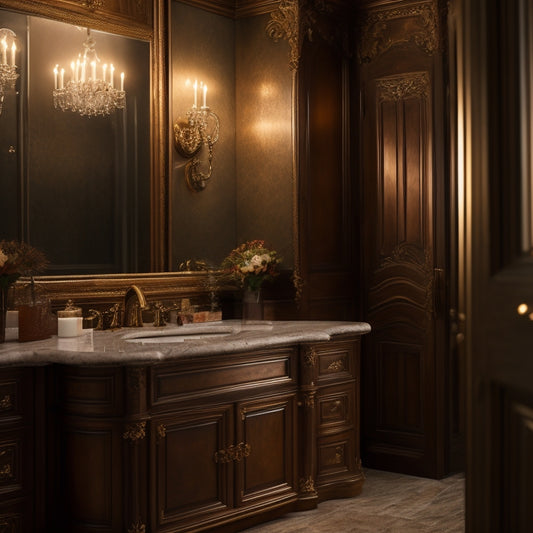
point(250, 194)
point(76, 187)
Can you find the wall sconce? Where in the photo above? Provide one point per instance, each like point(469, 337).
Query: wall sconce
point(8, 67)
point(200, 129)
point(86, 93)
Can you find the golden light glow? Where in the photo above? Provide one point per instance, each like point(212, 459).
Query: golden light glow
point(522, 309)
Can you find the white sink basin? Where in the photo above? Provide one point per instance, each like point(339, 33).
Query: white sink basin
point(179, 334)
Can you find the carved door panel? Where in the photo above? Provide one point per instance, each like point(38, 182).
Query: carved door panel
point(266, 430)
point(403, 243)
point(194, 470)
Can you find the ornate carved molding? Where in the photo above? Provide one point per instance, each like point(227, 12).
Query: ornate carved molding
point(233, 453)
point(387, 28)
point(93, 5)
point(307, 485)
point(295, 21)
point(310, 356)
point(285, 24)
point(135, 431)
point(408, 253)
point(309, 399)
point(395, 88)
point(161, 431)
point(137, 527)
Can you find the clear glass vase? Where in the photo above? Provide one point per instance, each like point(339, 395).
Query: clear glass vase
point(252, 306)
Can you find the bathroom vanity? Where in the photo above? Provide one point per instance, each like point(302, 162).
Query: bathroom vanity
point(195, 428)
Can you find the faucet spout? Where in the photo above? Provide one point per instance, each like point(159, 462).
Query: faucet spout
point(134, 303)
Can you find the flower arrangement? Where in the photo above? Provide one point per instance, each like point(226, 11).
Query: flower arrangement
point(19, 259)
point(251, 264)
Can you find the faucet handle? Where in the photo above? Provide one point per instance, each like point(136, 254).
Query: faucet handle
point(159, 314)
point(93, 313)
point(115, 311)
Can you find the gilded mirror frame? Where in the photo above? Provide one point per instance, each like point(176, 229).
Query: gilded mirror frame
point(155, 32)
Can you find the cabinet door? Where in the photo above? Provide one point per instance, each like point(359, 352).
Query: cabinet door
point(193, 477)
point(266, 433)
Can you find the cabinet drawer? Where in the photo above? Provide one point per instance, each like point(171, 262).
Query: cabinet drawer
point(15, 462)
point(337, 360)
point(336, 408)
point(241, 373)
point(337, 457)
point(16, 392)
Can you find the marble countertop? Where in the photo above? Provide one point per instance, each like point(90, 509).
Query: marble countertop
point(148, 345)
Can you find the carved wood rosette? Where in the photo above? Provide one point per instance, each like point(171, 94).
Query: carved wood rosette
point(387, 28)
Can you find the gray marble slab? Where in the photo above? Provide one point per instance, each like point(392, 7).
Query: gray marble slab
point(151, 345)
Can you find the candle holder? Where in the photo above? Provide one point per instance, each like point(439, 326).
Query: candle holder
point(8, 67)
point(85, 93)
point(200, 129)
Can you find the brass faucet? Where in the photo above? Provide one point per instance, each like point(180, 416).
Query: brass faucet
point(134, 304)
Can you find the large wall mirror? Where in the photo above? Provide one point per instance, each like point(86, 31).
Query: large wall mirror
point(76, 186)
point(89, 191)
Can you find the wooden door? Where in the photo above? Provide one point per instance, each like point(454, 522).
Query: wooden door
point(404, 255)
point(267, 434)
point(495, 71)
point(193, 447)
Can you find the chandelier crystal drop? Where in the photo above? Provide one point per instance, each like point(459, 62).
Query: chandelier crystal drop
point(86, 93)
point(8, 67)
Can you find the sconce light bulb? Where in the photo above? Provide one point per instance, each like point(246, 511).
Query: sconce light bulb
point(522, 309)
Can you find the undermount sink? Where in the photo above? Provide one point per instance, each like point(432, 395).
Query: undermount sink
point(179, 334)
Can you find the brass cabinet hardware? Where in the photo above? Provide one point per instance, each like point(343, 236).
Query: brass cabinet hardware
point(336, 366)
point(6, 403)
point(233, 453)
point(5, 472)
point(161, 431)
point(135, 431)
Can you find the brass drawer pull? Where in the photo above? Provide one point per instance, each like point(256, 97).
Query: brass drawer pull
point(336, 366)
point(6, 403)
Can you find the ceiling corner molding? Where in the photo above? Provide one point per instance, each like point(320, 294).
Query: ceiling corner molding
point(226, 8)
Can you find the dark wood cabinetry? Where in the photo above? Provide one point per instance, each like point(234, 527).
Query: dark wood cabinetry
point(16, 450)
point(407, 380)
point(211, 443)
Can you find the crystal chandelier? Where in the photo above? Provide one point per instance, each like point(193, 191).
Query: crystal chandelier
point(86, 93)
point(8, 67)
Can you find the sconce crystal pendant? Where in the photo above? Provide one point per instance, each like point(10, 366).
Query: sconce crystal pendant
point(86, 93)
point(200, 129)
point(8, 67)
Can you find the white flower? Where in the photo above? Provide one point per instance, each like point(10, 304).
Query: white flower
point(247, 268)
point(3, 258)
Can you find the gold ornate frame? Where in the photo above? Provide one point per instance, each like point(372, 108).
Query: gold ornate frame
point(155, 32)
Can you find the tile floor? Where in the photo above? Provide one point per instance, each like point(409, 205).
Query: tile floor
point(389, 503)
